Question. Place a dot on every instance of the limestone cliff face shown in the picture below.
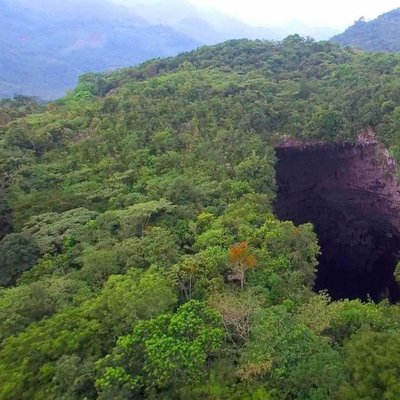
(349, 191)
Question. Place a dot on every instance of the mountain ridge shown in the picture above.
(381, 34)
(44, 56)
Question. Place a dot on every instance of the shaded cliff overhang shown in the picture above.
(350, 192)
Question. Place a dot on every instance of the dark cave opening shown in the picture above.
(349, 192)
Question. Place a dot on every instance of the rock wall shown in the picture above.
(349, 191)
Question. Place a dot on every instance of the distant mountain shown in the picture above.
(380, 34)
(79, 9)
(202, 24)
(210, 26)
(46, 45)
(227, 28)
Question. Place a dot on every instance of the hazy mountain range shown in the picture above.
(210, 26)
(380, 34)
(45, 44)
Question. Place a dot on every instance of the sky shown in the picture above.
(333, 13)
(312, 12)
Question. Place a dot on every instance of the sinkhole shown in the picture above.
(349, 192)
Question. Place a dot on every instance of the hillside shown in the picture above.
(380, 34)
(46, 45)
(141, 256)
(45, 48)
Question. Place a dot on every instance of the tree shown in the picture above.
(51, 230)
(237, 309)
(24, 304)
(184, 276)
(132, 221)
(31, 360)
(285, 353)
(215, 236)
(157, 246)
(297, 244)
(137, 295)
(372, 360)
(241, 260)
(98, 265)
(18, 253)
(163, 352)
(258, 172)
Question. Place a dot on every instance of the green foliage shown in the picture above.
(50, 265)
(157, 247)
(217, 237)
(372, 360)
(32, 359)
(132, 221)
(286, 352)
(162, 352)
(98, 265)
(17, 107)
(19, 253)
(351, 316)
(287, 260)
(148, 195)
(134, 296)
(221, 383)
(22, 305)
(28, 359)
(259, 172)
(52, 230)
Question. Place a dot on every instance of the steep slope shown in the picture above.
(142, 256)
(380, 34)
(44, 48)
(81, 10)
(75, 9)
(350, 192)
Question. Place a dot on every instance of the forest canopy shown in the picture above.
(139, 253)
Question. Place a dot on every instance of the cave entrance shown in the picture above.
(349, 192)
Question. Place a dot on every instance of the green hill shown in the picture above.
(140, 256)
(380, 34)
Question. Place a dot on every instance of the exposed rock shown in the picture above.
(350, 192)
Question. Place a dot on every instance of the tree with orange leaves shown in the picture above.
(241, 260)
